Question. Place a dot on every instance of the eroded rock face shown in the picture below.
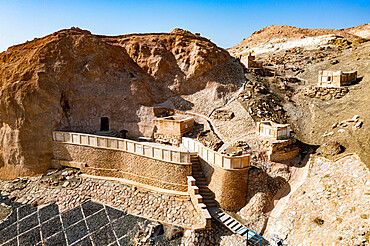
(179, 57)
(70, 79)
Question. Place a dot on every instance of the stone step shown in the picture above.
(206, 191)
(225, 219)
(198, 177)
(207, 196)
(210, 205)
(233, 224)
(230, 222)
(237, 227)
(203, 187)
(107, 134)
(207, 201)
(244, 233)
(219, 214)
(197, 171)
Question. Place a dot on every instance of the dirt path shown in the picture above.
(281, 198)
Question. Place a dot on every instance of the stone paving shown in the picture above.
(132, 200)
(97, 212)
(87, 224)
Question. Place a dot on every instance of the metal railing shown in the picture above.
(138, 148)
(251, 236)
(215, 158)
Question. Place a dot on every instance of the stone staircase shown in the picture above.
(235, 226)
(108, 134)
(232, 224)
(200, 181)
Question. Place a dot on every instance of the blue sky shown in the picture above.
(225, 22)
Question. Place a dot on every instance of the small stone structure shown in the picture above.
(281, 150)
(273, 130)
(252, 63)
(277, 140)
(170, 129)
(336, 79)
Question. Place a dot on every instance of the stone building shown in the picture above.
(251, 62)
(273, 130)
(170, 129)
(336, 79)
(277, 141)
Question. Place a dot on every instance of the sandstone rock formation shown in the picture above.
(70, 79)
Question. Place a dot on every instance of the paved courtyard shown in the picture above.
(87, 224)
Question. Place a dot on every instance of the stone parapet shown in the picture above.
(160, 153)
(121, 158)
(215, 158)
(200, 207)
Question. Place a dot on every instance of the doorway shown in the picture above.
(104, 124)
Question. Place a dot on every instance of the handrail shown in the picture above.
(142, 149)
(259, 239)
(215, 158)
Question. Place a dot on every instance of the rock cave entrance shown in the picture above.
(104, 124)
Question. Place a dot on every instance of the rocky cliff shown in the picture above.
(70, 79)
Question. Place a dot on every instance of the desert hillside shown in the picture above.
(281, 37)
(70, 79)
(265, 145)
(362, 31)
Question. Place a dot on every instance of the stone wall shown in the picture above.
(229, 186)
(283, 154)
(281, 150)
(121, 164)
(325, 93)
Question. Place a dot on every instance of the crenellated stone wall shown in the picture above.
(121, 164)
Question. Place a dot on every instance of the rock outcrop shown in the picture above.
(70, 79)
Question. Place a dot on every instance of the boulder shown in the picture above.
(174, 232)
